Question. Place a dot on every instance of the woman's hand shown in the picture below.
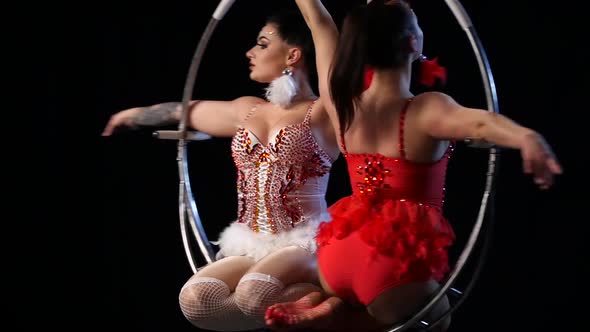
(121, 120)
(539, 160)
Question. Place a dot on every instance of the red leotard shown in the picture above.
(390, 230)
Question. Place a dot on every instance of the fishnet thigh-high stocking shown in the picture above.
(208, 304)
(257, 291)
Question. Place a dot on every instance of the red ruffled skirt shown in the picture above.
(416, 235)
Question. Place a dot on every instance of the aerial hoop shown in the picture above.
(187, 206)
(486, 206)
(189, 216)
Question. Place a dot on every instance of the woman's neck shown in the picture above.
(286, 91)
(392, 82)
(304, 90)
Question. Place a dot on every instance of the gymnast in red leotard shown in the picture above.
(385, 250)
(391, 226)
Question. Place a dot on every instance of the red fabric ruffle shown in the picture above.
(416, 234)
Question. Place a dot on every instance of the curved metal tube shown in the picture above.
(187, 205)
(492, 103)
(186, 199)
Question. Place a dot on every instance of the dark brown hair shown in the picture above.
(375, 35)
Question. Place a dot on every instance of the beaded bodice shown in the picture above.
(378, 177)
(281, 184)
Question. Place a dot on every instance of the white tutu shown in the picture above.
(239, 240)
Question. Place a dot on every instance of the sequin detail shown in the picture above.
(374, 174)
(272, 178)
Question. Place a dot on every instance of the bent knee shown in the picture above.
(253, 297)
(402, 302)
(438, 310)
(201, 299)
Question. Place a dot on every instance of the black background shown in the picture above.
(102, 249)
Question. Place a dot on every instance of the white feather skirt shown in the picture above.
(239, 240)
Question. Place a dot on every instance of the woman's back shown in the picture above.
(384, 123)
(378, 162)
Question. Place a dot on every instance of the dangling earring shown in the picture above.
(430, 71)
(282, 90)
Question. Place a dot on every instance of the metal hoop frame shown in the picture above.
(188, 209)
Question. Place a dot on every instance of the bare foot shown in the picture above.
(307, 312)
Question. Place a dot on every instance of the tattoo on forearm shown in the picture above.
(158, 115)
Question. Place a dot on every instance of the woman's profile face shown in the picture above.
(268, 58)
(419, 35)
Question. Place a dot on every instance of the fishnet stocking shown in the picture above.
(207, 303)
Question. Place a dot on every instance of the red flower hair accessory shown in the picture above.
(430, 71)
(368, 76)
